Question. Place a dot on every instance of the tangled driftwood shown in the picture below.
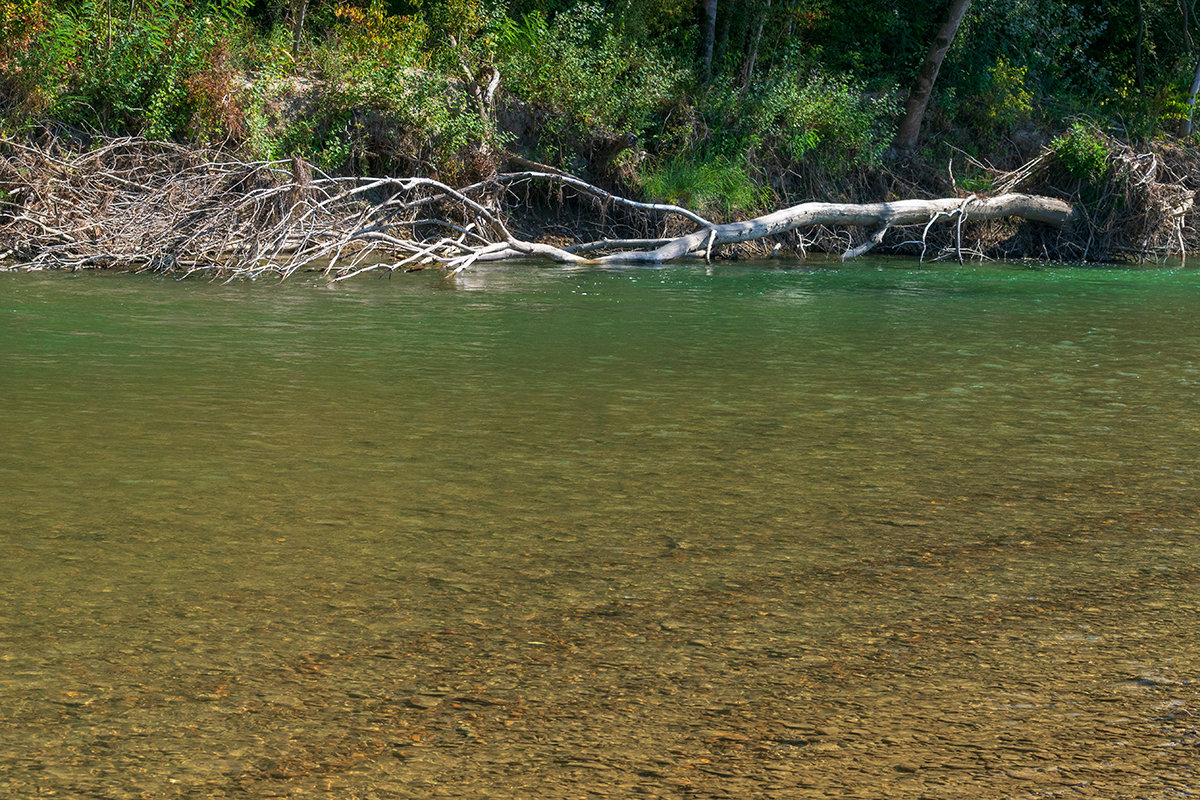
(135, 204)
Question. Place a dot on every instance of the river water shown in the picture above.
(875, 531)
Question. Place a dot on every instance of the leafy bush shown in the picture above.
(582, 70)
(23, 24)
(1082, 151)
(827, 117)
(792, 118)
(1005, 100)
(371, 94)
(369, 58)
(140, 72)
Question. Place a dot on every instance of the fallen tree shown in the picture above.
(134, 204)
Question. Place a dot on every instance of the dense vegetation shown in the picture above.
(769, 99)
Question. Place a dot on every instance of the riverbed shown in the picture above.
(884, 530)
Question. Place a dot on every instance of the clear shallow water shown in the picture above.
(528, 532)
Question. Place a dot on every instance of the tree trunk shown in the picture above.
(752, 56)
(722, 42)
(299, 8)
(708, 36)
(881, 216)
(918, 98)
(1185, 127)
(1139, 59)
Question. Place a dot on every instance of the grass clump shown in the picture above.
(715, 184)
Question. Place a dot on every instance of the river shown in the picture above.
(740, 531)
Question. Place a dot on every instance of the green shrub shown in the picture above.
(829, 117)
(791, 118)
(139, 72)
(1082, 151)
(373, 93)
(1003, 101)
(23, 79)
(583, 71)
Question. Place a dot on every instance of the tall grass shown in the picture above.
(715, 185)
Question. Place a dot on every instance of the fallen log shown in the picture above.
(879, 216)
(134, 204)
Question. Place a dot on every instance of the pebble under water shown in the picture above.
(875, 531)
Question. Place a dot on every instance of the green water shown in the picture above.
(870, 531)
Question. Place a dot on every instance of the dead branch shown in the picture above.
(1046, 210)
(135, 204)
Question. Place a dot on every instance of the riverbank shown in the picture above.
(661, 115)
(134, 204)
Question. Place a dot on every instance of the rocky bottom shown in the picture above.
(660, 689)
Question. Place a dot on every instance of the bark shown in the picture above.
(918, 98)
(1050, 211)
(707, 39)
(752, 57)
(722, 43)
(299, 9)
(1139, 58)
(1185, 126)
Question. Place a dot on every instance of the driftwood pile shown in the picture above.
(1141, 209)
(133, 204)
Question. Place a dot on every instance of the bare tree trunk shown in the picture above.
(1139, 59)
(299, 8)
(880, 216)
(752, 56)
(1187, 26)
(708, 38)
(918, 98)
(1185, 127)
(725, 23)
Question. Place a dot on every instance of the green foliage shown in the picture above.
(827, 117)
(1082, 151)
(24, 82)
(583, 71)
(793, 119)
(1006, 100)
(384, 63)
(374, 47)
(797, 84)
(136, 72)
(372, 93)
(714, 184)
(977, 183)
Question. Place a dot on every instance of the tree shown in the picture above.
(752, 56)
(707, 38)
(299, 9)
(918, 98)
